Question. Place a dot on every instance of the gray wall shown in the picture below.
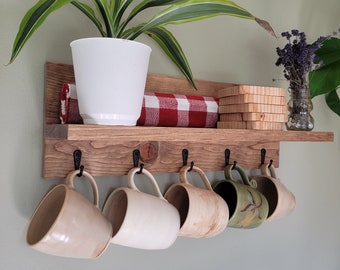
(223, 49)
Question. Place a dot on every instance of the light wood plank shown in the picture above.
(258, 125)
(251, 89)
(249, 98)
(252, 107)
(265, 117)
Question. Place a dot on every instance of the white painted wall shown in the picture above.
(223, 49)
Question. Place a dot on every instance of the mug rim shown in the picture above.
(272, 206)
(50, 196)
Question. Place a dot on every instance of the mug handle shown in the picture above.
(183, 176)
(131, 182)
(228, 175)
(268, 170)
(70, 182)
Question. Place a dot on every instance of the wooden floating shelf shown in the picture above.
(107, 150)
(174, 134)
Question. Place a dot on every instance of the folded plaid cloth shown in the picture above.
(159, 109)
(173, 110)
(69, 111)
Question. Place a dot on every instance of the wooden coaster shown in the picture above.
(250, 125)
(251, 89)
(250, 107)
(251, 98)
(262, 117)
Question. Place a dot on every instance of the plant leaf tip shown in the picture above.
(264, 24)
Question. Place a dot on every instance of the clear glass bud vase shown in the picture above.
(299, 109)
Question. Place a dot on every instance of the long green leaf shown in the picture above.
(194, 10)
(104, 11)
(119, 14)
(114, 6)
(173, 50)
(89, 12)
(145, 5)
(333, 102)
(32, 20)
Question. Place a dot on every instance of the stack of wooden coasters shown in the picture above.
(252, 107)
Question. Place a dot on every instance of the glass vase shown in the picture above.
(299, 110)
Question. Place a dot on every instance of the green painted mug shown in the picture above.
(248, 208)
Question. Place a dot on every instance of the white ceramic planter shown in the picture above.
(110, 76)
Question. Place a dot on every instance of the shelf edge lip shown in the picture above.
(143, 133)
(56, 131)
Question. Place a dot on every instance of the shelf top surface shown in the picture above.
(137, 133)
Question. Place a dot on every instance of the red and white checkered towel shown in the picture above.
(159, 109)
(173, 110)
(69, 111)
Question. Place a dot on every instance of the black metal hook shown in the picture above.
(77, 161)
(270, 163)
(234, 166)
(227, 156)
(141, 169)
(263, 155)
(81, 168)
(191, 166)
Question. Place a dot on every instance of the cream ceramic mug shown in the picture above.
(141, 220)
(67, 224)
(203, 212)
(280, 200)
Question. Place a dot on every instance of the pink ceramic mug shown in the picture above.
(141, 220)
(203, 212)
(66, 224)
(280, 200)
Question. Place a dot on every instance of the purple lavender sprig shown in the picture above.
(297, 57)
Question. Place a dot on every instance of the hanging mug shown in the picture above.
(67, 224)
(281, 201)
(248, 208)
(141, 220)
(203, 213)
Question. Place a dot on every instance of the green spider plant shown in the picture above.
(112, 19)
